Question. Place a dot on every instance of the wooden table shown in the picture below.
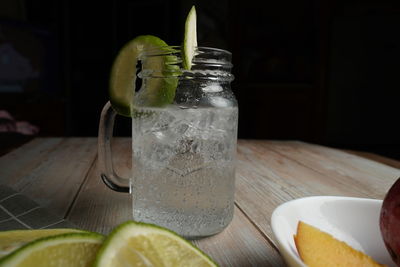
(61, 174)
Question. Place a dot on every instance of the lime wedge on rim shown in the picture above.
(140, 244)
(189, 40)
(14, 239)
(73, 249)
(157, 92)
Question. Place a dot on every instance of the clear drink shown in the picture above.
(184, 168)
(184, 133)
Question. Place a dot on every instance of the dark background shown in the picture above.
(325, 72)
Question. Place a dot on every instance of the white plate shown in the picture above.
(352, 220)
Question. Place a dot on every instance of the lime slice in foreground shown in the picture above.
(14, 239)
(65, 250)
(157, 92)
(189, 40)
(140, 244)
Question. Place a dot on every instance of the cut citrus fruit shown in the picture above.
(65, 250)
(189, 40)
(317, 248)
(140, 244)
(12, 240)
(157, 92)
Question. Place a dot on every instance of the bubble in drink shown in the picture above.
(184, 168)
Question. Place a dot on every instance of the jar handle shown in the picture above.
(107, 173)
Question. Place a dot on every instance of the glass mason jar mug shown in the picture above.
(183, 154)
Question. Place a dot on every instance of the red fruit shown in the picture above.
(390, 221)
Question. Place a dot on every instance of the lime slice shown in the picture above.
(189, 40)
(140, 244)
(14, 239)
(157, 92)
(65, 250)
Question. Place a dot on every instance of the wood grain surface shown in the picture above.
(62, 175)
